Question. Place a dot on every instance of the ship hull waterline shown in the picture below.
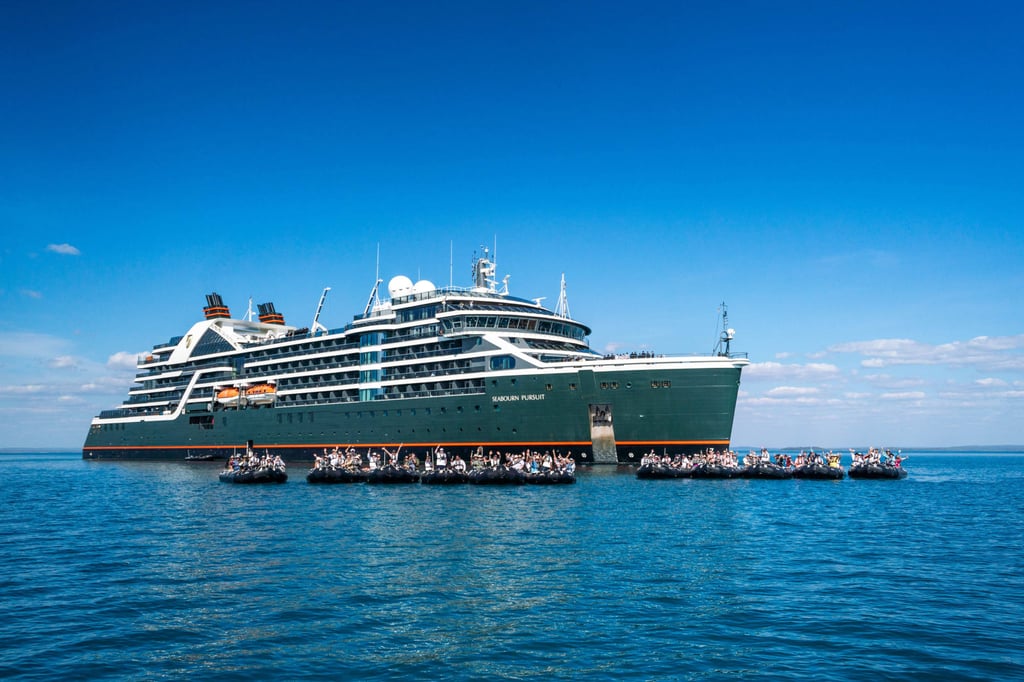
(612, 416)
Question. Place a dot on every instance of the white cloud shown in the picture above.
(107, 384)
(31, 293)
(64, 249)
(784, 400)
(785, 391)
(25, 388)
(63, 362)
(123, 361)
(905, 395)
(990, 381)
(775, 371)
(983, 352)
(890, 382)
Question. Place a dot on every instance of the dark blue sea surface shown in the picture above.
(148, 571)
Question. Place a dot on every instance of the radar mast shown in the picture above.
(727, 334)
(484, 269)
(562, 309)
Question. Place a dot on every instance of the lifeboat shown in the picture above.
(444, 477)
(819, 472)
(499, 475)
(327, 474)
(766, 470)
(265, 474)
(393, 474)
(657, 471)
(261, 394)
(879, 470)
(228, 397)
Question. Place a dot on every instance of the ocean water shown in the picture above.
(150, 571)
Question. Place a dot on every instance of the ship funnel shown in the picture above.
(269, 315)
(215, 307)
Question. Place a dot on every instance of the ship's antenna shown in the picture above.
(562, 309)
(726, 336)
(373, 292)
(451, 263)
(248, 314)
(316, 326)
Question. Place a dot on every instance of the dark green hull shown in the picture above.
(599, 415)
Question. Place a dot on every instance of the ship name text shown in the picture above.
(517, 397)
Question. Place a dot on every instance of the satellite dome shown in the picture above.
(400, 285)
(423, 286)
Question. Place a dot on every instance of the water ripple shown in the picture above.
(157, 571)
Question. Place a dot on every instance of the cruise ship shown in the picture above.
(426, 367)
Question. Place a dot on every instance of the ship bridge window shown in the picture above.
(212, 342)
(500, 362)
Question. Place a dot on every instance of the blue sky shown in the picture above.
(845, 176)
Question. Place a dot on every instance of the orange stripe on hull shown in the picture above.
(296, 446)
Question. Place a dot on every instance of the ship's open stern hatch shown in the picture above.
(602, 433)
